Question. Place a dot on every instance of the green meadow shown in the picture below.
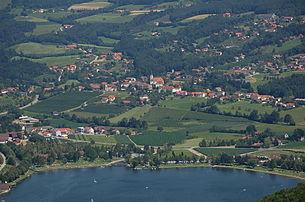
(230, 151)
(106, 17)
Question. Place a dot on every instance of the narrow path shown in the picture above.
(196, 152)
(95, 59)
(4, 161)
(132, 141)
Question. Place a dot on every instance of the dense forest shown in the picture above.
(294, 194)
(285, 87)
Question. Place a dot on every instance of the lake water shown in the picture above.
(118, 183)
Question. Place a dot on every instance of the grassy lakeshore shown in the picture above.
(281, 172)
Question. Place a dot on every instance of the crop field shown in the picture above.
(230, 151)
(86, 114)
(94, 5)
(4, 100)
(101, 108)
(158, 138)
(181, 103)
(57, 14)
(62, 102)
(293, 145)
(37, 49)
(122, 139)
(197, 17)
(106, 17)
(137, 112)
(245, 107)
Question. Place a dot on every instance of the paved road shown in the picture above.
(4, 161)
(32, 103)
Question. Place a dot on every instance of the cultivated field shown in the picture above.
(136, 112)
(106, 17)
(196, 17)
(62, 102)
(101, 108)
(94, 5)
(58, 61)
(45, 28)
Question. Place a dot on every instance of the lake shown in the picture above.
(119, 183)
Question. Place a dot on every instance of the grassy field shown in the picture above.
(234, 151)
(45, 28)
(197, 17)
(136, 112)
(37, 49)
(57, 14)
(107, 40)
(101, 108)
(245, 107)
(298, 115)
(62, 102)
(69, 83)
(106, 17)
(93, 5)
(58, 61)
(5, 100)
(96, 138)
(30, 19)
(274, 152)
(86, 114)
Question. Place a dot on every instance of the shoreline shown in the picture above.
(29, 173)
(228, 167)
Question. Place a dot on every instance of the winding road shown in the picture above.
(4, 161)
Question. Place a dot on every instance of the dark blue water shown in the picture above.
(122, 184)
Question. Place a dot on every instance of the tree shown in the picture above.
(251, 129)
(289, 120)
(203, 143)
(254, 115)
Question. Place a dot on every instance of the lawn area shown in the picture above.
(154, 138)
(62, 102)
(137, 112)
(181, 103)
(38, 49)
(62, 123)
(178, 152)
(230, 151)
(197, 17)
(171, 29)
(96, 138)
(93, 5)
(46, 15)
(106, 17)
(102, 108)
(245, 107)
